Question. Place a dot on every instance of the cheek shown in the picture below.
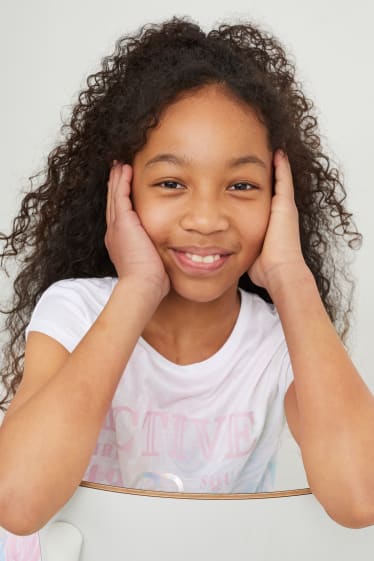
(153, 218)
(254, 231)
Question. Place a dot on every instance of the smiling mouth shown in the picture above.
(197, 263)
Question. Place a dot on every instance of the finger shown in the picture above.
(122, 196)
(283, 176)
(126, 179)
(109, 194)
(117, 173)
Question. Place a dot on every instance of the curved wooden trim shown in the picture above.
(204, 496)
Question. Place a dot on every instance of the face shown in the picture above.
(199, 197)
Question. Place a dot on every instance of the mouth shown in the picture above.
(198, 264)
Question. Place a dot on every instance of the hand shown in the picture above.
(130, 248)
(281, 251)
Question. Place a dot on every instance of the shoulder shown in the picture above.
(261, 323)
(257, 306)
(85, 283)
(68, 307)
(94, 289)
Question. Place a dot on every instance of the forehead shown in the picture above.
(204, 122)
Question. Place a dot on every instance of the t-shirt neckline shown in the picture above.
(217, 359)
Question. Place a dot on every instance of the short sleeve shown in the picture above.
(62, 313)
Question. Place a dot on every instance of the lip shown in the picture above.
(203, 251)
(198, 268)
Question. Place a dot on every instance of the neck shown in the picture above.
(182, 323)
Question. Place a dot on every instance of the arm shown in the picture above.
(46, 444)
(334, 411)
(335, 407)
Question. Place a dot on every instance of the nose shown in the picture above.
(205, 214)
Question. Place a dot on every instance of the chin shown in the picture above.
(200, 291)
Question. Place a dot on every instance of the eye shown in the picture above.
(168, 183)
(243, 186)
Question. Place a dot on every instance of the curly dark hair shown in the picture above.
(147, 71)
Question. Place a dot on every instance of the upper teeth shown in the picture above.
(201, 259)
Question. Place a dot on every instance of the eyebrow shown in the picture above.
(183, 161)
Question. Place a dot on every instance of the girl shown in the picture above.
(182, 291)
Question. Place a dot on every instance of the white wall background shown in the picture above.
(49, 47)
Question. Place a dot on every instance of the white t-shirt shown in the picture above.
(208, 427)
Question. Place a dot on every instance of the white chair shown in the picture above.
(113, 524)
